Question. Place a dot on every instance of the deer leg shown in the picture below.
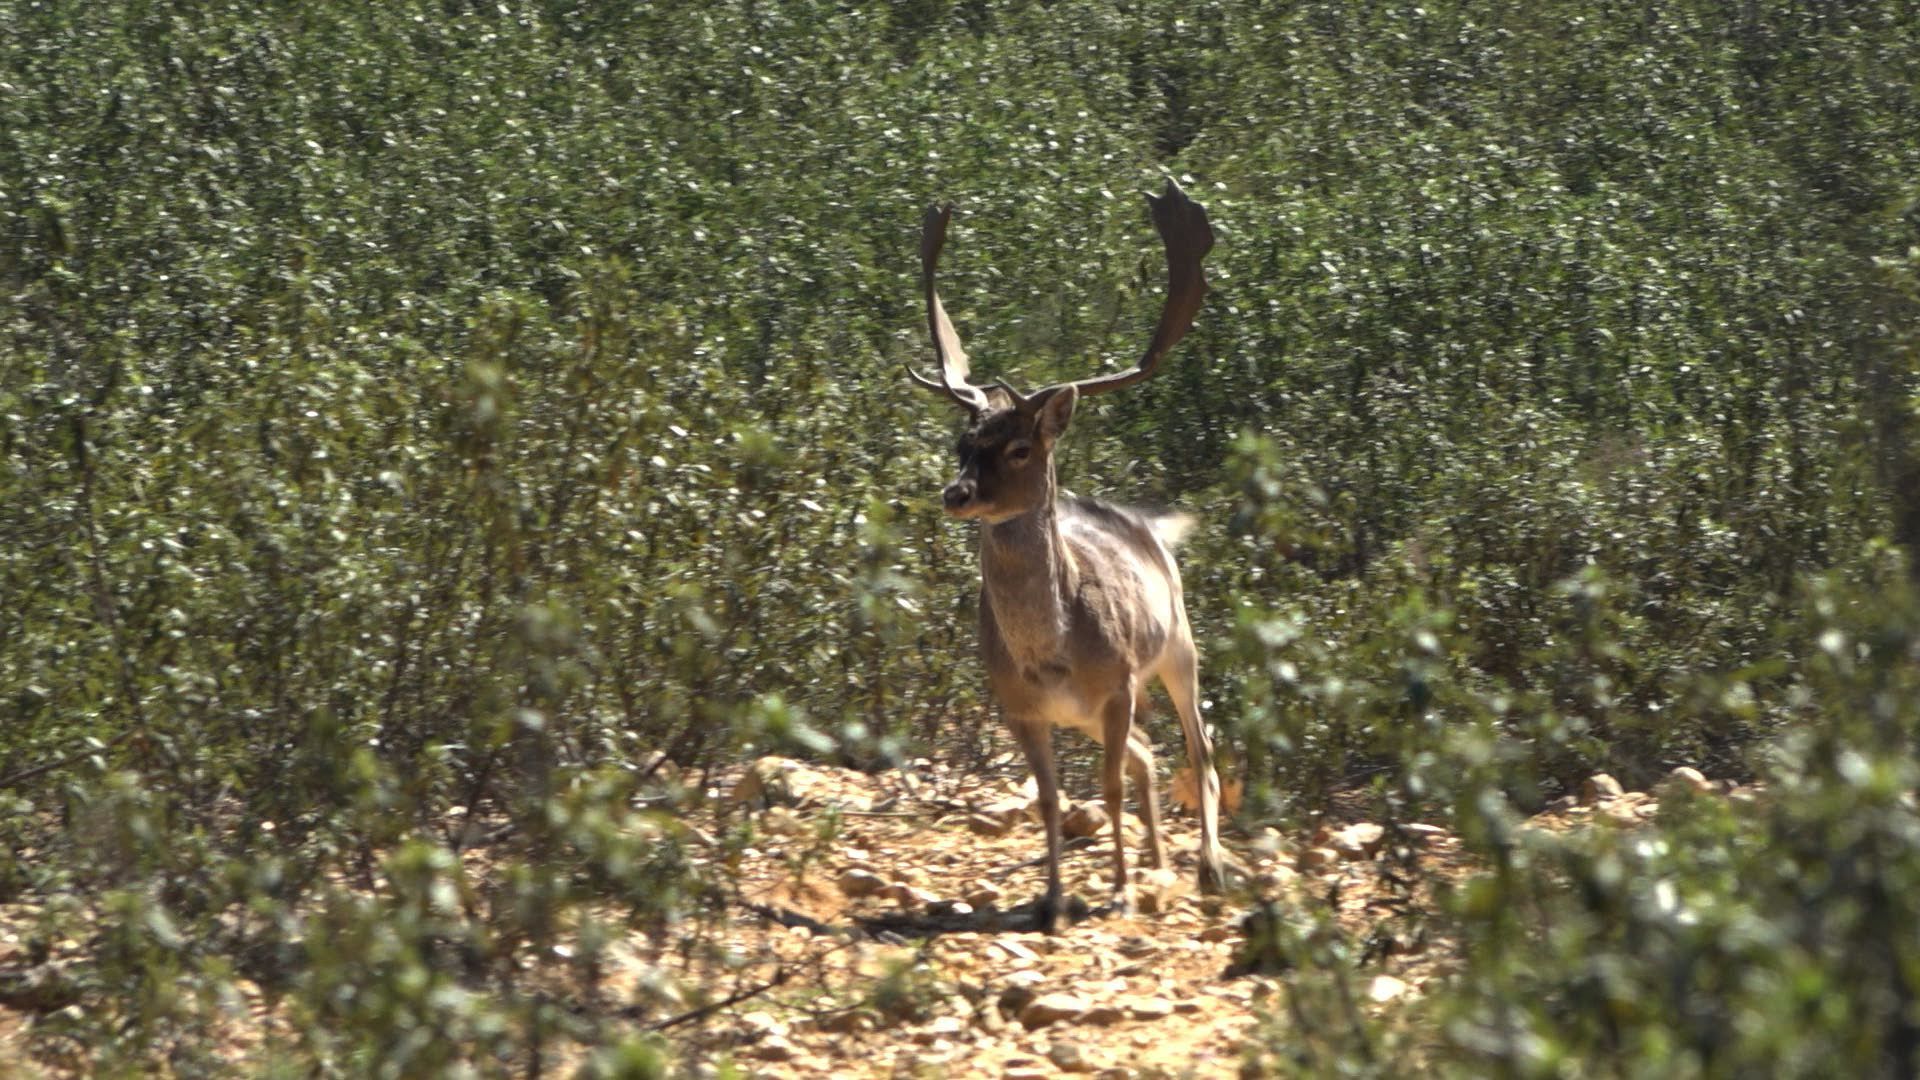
(1117, 748)
(1181, 677)
(1140, 767)
(1036, 740)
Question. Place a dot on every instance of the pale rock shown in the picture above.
(1419, 833)
(851, 1022)
(983, 894)
(991, 826)
(1385, 988)
(1154, 890)
(857, 883)
(1067, 1057)
(907, 897)
(1048, 1009)
(1317, 858)
(1359, 841)
(1085, 819)
(775, 1048)
(778, 781)
(942, 1027)
(761, 1024)
(782, 821)
(1621, 815)
(1016, 950)
(1026, 980)
(658, 768)
(1267, 842)
(1600, 787)
(1150, 1008)
(1277, 876)
(1685, 781)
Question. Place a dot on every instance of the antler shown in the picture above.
(1184, 229)
(946, 343)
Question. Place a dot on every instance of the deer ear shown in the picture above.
(1055, 410)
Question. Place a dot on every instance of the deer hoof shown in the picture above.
(1213, 879)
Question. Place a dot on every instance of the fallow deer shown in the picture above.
(1080, 600)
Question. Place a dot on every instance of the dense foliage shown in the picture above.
(420, 414)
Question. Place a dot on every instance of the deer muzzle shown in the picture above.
(958, 495)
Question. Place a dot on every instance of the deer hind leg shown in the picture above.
(1117, 750)
(1140, 768)
(1181, 677)
(1036, 740)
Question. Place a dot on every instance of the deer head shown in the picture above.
(1006, 452)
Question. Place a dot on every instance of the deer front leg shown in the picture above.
(1117, 742)
(1036, 740)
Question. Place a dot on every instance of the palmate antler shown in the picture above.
(1188, 237)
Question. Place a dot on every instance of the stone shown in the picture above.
(851, 1022)
(1215, 934)
(1149, 1008)
(1316, 858)
(1685, 780)
(942, 1027)
(775, 1048)
(983, 894)
(1154, 890)
(857, 883)
(778, 781)
(907, 897)
(1426, 835)
(1103, 1015)
(1600, 787)
(1085, 819)
(1054, 1008)
(1277, 876)
(1385, 988)
(1067, 1057)
(991, 826)
(1015, 950)
(1358, 841)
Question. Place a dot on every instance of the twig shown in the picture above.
(1071, 847)
(36, 771)
(704, 1011)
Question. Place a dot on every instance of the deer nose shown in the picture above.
(958, 494)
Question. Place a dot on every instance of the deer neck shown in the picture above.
(1029, 577)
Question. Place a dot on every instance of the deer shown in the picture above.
(1080, 601)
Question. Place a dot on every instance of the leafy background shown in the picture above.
(428, 413)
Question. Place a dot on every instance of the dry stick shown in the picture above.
(27, 774)
(704, 1011)
(1070, 847)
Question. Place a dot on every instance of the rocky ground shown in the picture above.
(904, 945)
(882, 926)
(895, 943)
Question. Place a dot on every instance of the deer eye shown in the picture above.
(1019, 452)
